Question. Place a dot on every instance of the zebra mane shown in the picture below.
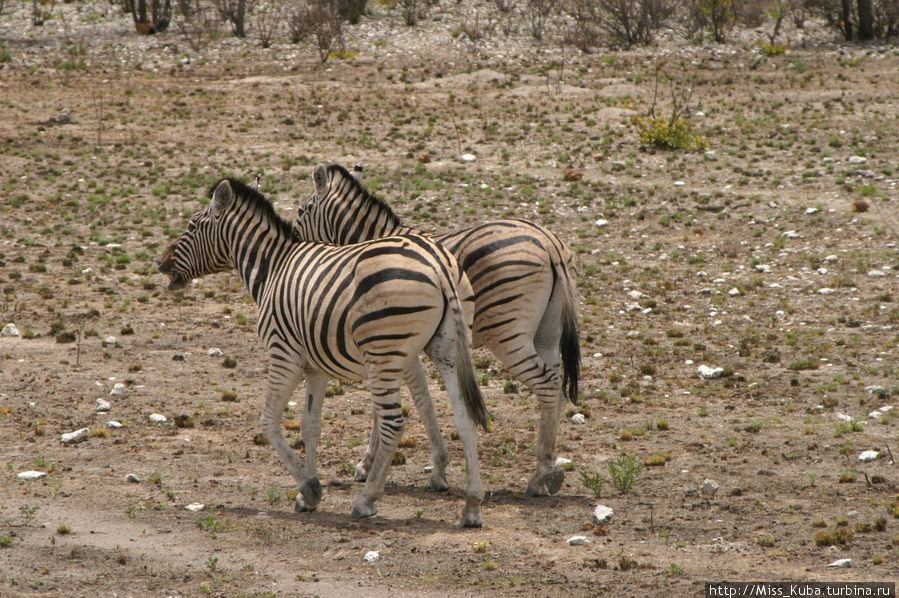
(261, 203)
(363, 195)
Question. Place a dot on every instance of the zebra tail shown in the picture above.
(465, 374)
(569, 344)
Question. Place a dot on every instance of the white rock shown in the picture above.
(637, 295)
(822, 270)
(764, 268)
(866, 456)
(831, 258)
(76, 436)
(373, 556)
(110, 340)
(886, 408)
(577, 541)
(578, 418)
(10, 330)
(707, 373)
(562, 461)
(215, 352)
(132, 478)
(679, 183)
(875, 273)
(602, 223)
(103, 405)
(114, 424)
(857, 159)
(195, 506)
(791, 234)
(601, 514)
(118, 390)
(31, 475)
(734, 292)
(844, 417)
(841, 563)
(875, 414)
(709, 487)
(468, 157)
(826, 291)
(811, 210)
(874, 388)
(157, 418)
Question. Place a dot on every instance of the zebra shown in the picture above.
(521, 275)
(356, 312)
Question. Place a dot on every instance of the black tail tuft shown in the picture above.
(474, 400)
(569, 347)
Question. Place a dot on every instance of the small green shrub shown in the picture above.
(624, 471)
(669, 133)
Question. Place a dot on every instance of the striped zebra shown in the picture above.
(361, 312)
(524, 306)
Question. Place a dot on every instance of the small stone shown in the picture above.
(577, 541)
(734, 292)
(826, 291)
(118, 390)
(157, 418)
(707, 373)
(876, 273)
(10, 330)
(857, 159)
(468, 157)
(562, 461)
(841, 563)
(874, 389)
(632, 307)
(791, 234)
(195, 506)
(63, 117)
(31, 475)
(110, 340)
(811, 210)
(875, 414)
(215, 352)
(866, 456)
(764, 268)
(844, 417)
(822, 270)
(637, 295)
(103, 405)
(709, 488)
(602, 514)
(679, 183)
(372, 556)
(578, 418)
(76, 436)
(132, 479)
(602, 223)
(114, 424)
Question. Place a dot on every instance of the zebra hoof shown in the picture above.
(310, 495)
(471, 520)
(361, 474)
(361, 511)
(554, 480)
(439, 485)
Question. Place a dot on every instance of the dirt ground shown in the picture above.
(771, 254)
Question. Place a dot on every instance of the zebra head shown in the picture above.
(310, 213)
(200, 249)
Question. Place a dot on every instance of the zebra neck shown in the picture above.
(257, 252)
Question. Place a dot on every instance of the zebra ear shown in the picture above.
(320, 177)
(221, 198)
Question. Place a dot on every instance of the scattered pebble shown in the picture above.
(578, 418)
(118, 390)
(31, 475)
(826, 291)
(709, 488)
(866, 456)
(157, 418)
(468, 157)
(114, 424)
(103, 405)
(76, 436)
(132, 478)
(841, 563)
(10, 330)
(215, 352)
(857, 159)
(577, 541)
(110, 340)
(602, 223)
(876, 273)
(562, 461)
(707, 373)
(791, 234)
(679, 183)
(195, 506)
(844, 417)
(822, 270)
(874, 389)
(373, 556)
(63, 117)
(177, 357)
(811, 210)
(764, 268)
(831, 258)
(601, 514)
(734, 292)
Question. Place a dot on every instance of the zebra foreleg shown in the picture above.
(310, 493)
(364, 466)
(418, 386)
(389, 413)
(281, 384)
(548, 387)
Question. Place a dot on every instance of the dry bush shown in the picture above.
(714, 16)
(41, 10)
(634, 22)
(198, 24)
(861, 20)
(410, 11)
(537, 13)
(583, 31)
(352, 10)
(235, 12)
(267, 19)
(153, 17)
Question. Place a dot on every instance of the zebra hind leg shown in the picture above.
(310, 493)
(389, 412)
(364, 466)
(418, 386)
